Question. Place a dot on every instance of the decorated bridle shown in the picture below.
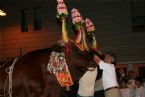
(57, 64)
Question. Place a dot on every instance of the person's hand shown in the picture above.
(96, 59)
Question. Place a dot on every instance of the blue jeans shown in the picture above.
(83, 96)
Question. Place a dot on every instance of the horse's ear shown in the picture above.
(57, 48)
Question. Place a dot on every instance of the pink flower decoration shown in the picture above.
(60, 1)
(61, 8)
(89, 25)
(76, 16)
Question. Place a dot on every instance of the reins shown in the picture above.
(9, 71)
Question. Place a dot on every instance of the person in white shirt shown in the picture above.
(109, 79)
(87, 83)
(139, 90)
(131, 82)
(125, 91)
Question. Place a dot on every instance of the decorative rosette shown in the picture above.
(76, 16)
(77, 19)
(60, 1)
(61, 9)
(89, 25)
(90, 31)
(57, 65)
(79, 25)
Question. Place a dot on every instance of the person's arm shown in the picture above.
(96, 59)
(92, 66)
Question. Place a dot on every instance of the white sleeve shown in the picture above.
(102, 65)
(143, 92)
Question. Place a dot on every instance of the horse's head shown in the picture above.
(78, 61)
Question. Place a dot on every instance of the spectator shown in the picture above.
(139, 90)
(130, 74)
(131, 82)
(125, 91)
(122, 75)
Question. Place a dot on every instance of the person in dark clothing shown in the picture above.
(99, 91)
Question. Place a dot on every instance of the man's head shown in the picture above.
(110, 58)
(121, 71)
(138, 81)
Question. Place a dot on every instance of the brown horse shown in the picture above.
(29, 76)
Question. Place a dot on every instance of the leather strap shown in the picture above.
(111, 88)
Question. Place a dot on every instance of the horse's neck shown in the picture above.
(71, 45)
(79, 46)
(73, 53)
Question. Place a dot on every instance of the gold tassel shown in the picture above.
(94, 43)
(84, 41)
(78, 39)
(64, 31)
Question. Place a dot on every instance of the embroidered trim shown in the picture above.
(57, 65)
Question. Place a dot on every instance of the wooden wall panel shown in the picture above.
(0, 42)
(135, 67)
(13, 39)
(112, 20)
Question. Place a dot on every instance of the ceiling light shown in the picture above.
(2, 13)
